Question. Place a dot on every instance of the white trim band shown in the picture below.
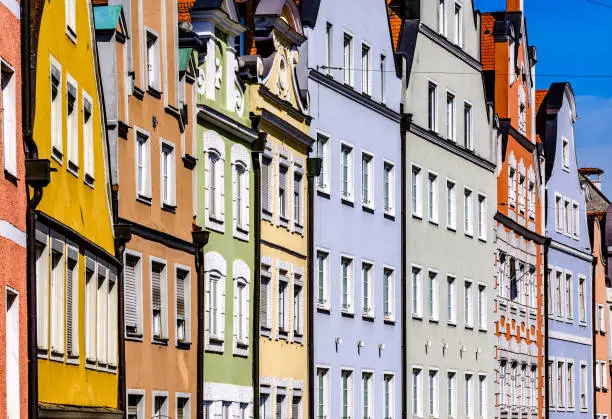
(12, 233)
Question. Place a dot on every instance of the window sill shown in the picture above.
(267, 216)
(368, 317)
(73, 169)
(470, 235)
(133, 337)
(282, 335)
(183, 345)
(389, 216)
(153, 91)
(451, 324)
(417, 317)
(138, 92)
(323, 193)
(367, 208)
(347, 202)
(73, 360)
(144, 199)
(348, 314)
(323, 308)
(451, 228)
(242, 345)
(56, 357)
(389, 320)
(433, 222)
(89, 180)
(71, 34)
(469, 327)
(482, 329)
(10, 177)
(57, 155)
(264, 331)
(482, 239)
(434, 320)
(417, 216)
(160, 341)
(169, 208)
(298, 338)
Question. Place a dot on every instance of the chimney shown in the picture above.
(514, 5)
(593, 174)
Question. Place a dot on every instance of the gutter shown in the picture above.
(200, 239)
(404, 126)
(594, 356)
(545, 315)
(258, 148)
(313, 169)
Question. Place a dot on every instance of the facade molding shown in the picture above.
(568, 337)
(228, 392)
(12, 233)
(450, 47)
(570, 251)
(13, 7)
(226, 124)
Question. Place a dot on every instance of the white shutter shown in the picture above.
(265, 183)
(102, 317)
(236, 308)
(58, 270)
(164, 301)
(220, 189)
(187, 303)
(263, 301)
(148, 174)
(156, 285)
(247, 311)
(130, 291)
(221, 304)
(113, 317)
(42, 294)
(71, 307)
(90, 309)
(208, 303)
(246, 213)
(9, 121)
(181, 277)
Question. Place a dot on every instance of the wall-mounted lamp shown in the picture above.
(154, 122)
(427, 345)
(338, 341)
(360, 344)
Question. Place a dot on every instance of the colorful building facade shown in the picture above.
(76, 270)
(13, 297)
(450, 185)
(225, 187)
(596, 207)
(509, 72)
(568, 282)
(149, 91)
(280, 107)
(357, 299)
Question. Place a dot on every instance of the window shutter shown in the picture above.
(90, 309)
(156, 285)
(220, 188)
(71, 304)
(263, 302)
(208, 303)
(9, 134)
(246, 180)
(295, 408)
(221, 304)
(279, 407)
(265, 183)
(180, 294)
(131, 300)
(180, 407)
(113, 318)
(247, 311)
(236, 308)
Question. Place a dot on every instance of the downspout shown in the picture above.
(313, 169)
(547, 241)
(200, 239)
(258, 149)
(593, 269)
(406, 119)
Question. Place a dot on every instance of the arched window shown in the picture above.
(214, 149)
(241, 191)
(242, 302)
(215, 278)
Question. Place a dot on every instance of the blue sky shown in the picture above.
(573, 40)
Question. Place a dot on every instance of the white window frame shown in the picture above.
(569, 292)
(389, 409)
(558, 212)
(347, 179)
(482, 306)
(140, 407)
(565, 153)
(468, 303)
(442, 18)
(88, 139)
(12, 353)
(143, 189)
(323, 147)
(163, 299)
(458, 24)
(186, 408)
(367, 380)
(56, 115)
(433, 197)
(72, 123)
(433, 397)
(389, 188)
(432, 105)
(241, 188)
(451, 299)
(482, 217)
(468, 212)
(451, 393)
(366, 69)
(417, 291)
(468, 125)
(350, 405)
(324, 392)
(216, 270)
(349, 59)
(584, 383)
(241, 284)
(417, 391)
(389, 274)
(451, 204)
(166, 406)
(326, 303)
(582, 305)
(576, 219)
(167, 180)
(138, 290)
(8, 110)
(451, 113)
(70, 15)
(328, 48)
(367, 290)
(469, 395)
(433, 295)
(482, 396)
(187, 303)
(57, 298)
(348, 261)
(152, 61)
(416, 191)
(367, 163)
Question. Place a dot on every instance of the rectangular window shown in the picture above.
(72, 124)
(600, 319)
(558, 295)
(467, 127)
(160, 406)
(281, 403)
(215, 306)
(458, 25)
(417, 198)
(482, 217)
(183, 305)
(560, 386)
(367, 181)
(432, 118)
(450, 113)
(72, 304)
(58, 267)
(468, 213)
(347, 284)
(568, 296)
(482, 307)
(566, 153)
(135, 406)
(432, 194)
(8, 117)
(322, 401)
(433, 296)
(322, 279)
(389, 397)
(558, 213)
(576, 219)
(88, 142)
(442, 18)
(549, 381)
(168, 181)
(266, 179)
(12, 354)
(388, 294)
(417, 292)
(183, 407)
(101, 313)
(328, 48)
(323, 180)
(298, 308)
(512, 186)
(549, 287)
(282, 192)
(70, 14)
(570, 384)
(469, 396)
(567, 217)
(143, 167)
(91, 288)
(132, 285)
(389, 188)
(347, 172)
(503, 393)
(152, 62)
(347, 393)
(348, 60)
(582, 298)
(159, 305)
(583, 386)
(451, 395)
(241, 198)
(56, 113)
(468, 305)
(365, 70)
(283, 300)
(482, 396)
(297, 199)
(434, 391)
(296, 407)
(451, 300)
(451, 205)
(417, 392)
(383, 75)
(367, 290)
(367, 395)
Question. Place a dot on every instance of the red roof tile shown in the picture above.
(539, 96)
(487, 43)
(395, 22)
(183, 10)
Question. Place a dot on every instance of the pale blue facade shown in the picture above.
(356, 226)
(569, 284)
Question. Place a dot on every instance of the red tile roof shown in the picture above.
(487, 43)
(395, 22)
(183, 10)
(539, 97)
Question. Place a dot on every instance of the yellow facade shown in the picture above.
(284, 117)
(74, 216)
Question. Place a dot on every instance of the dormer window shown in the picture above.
(522, 118)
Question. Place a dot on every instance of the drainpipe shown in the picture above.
(200, 239)
(406, 119)
(593, 266)
(547, 241)
(258, 148)
(313, 169)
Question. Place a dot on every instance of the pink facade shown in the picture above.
(13, 301)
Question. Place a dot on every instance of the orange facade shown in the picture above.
(508, 64)
(13, 300)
